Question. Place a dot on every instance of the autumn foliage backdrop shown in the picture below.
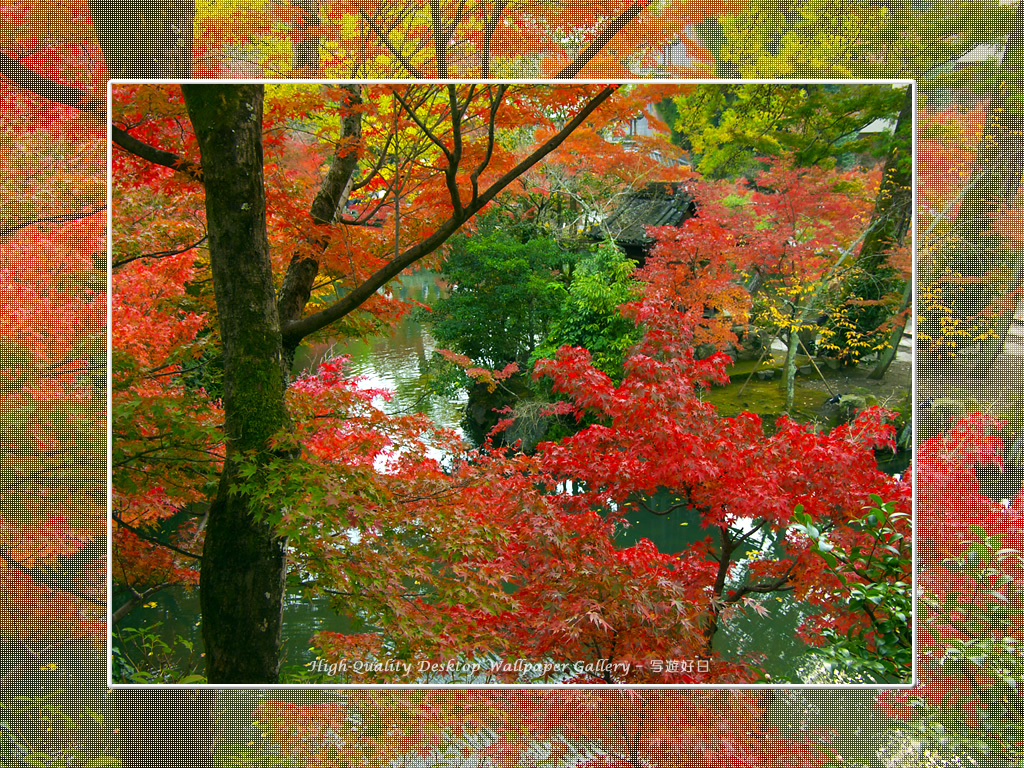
(967, 705)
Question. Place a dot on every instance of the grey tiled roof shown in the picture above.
(657, 204)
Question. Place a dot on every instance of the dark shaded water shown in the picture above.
(173, 616)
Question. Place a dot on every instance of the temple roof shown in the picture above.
(656, 204)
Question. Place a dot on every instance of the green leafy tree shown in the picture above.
(870, 633)
(729, 129)
(779, 38)
(504, 294)
(590, 317)
(873, 311)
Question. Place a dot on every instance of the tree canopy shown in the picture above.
(54, 61)
(304, 202)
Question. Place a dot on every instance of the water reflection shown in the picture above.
(172, 615)
(398, 361)
(745, 634)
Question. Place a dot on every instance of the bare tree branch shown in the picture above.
(59, 93)
(615, 26)
(295, 331)
(77, 98)
(154, 155)
(490, 27)
(383, 37)
(152, 539)
(496, 97)
(136, 599)
(51, 578)
(63, 219)
(160, 254)
(451, 172)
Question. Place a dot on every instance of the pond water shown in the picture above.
(172, 615)
(399, 363)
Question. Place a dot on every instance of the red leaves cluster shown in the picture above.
(52, 311)
(517, 557)
(590, 610)
(541, 577)
(970, 587)
(604, 727)
(482, 375)
(167, 446)
(655, 431)
(783, 235)
(948, 488)
(34, 613)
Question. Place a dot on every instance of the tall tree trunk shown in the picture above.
(789, 369)
(890, 222)
(1006, 123)
(306, 49)
(993, 344)
(958, 281)
(894, 207)
(146, 38)
(243, 569)
(895, 336)
(151, 39)
(326, 208)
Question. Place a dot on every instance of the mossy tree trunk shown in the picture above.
(894, 205)
(243, 567)
(1001, 162)
(885, 359)
(306, 48)
(964, 284)
(870, 296)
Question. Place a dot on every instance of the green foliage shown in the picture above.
(504, 294)
(875, 578)
(973, 623)
(51, 750)
(861, 307)
(206, 374)
(590, 317)
(728, 128)
(768, 38)
(250, 755)
(141, 655)
(162, 432)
